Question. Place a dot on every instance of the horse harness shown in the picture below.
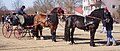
(93, 17)
(91, 22)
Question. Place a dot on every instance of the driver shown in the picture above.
(21, 13)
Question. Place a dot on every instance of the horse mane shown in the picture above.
(99, 13)
(99, 9)
(96, 10)
(54, 10)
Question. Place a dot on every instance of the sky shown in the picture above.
(8, 3)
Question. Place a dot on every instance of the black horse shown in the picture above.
(91, 24)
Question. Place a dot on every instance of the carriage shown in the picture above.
(12, 26)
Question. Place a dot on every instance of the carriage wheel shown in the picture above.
(6, 30)
(18, 31)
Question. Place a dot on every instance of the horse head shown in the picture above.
(95, 17)
(59, 11)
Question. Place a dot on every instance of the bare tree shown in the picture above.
(99, 3)
(69, 4)
(1, 4)
(30, 10)
(3, 8)
(42, 5)
(17, 4)
(118, 10)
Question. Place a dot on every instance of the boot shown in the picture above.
(107, 44)
(114, 44)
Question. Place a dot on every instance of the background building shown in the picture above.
(113, 6)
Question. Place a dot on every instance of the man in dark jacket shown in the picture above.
(20, 13)
(109, 27)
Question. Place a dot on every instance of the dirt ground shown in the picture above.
(81, 41)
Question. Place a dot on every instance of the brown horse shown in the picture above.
(50, 20)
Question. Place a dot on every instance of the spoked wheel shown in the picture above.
(18, 31)
(7, 30)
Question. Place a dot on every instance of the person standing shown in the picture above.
(3, 18)
(103, 22)
(109, 27)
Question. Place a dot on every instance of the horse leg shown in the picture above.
(92, 34)
(72, 33)
(35, 33)
(53, 33)
(41, 36)
(40, 30)
(67, 30)
(67, 34)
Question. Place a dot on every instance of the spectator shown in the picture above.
(3, 18)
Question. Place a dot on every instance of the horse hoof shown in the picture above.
(35, 38)
(93, 45)
(54, 40)
(68, 42)
(31, 37)
(42, 38)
